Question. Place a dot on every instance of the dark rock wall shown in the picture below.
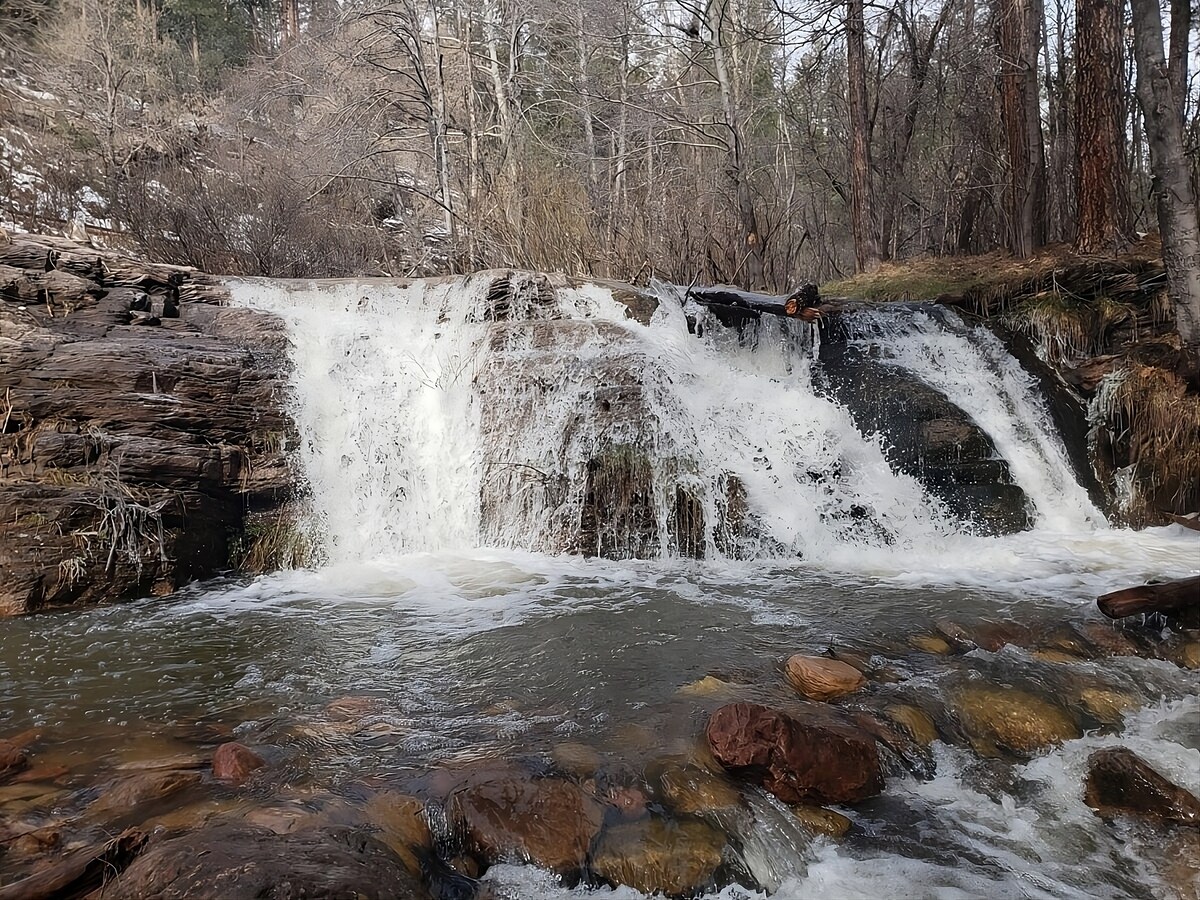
(140, 425)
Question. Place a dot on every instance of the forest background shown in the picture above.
(757, 142)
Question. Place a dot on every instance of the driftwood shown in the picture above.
(1168, 597)
(733, 307)
(1191, 522)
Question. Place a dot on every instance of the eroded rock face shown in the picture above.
(547, 821)
(819, 678)
(131, 451)
(239, 862)
(927, 436)
(821, 757)
(1119, 782)
(657, 855)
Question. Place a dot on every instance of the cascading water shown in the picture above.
(451, 415)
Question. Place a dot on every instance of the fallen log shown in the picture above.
(733, 306)
(1166, 597)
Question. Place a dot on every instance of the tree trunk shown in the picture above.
(1099, 123)
(1172, 185)
(1166, 597)
(1019, 33)
(1177, 54)
(750, 263)
(862, 213)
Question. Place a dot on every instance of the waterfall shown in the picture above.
(505, 410)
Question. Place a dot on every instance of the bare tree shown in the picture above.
(1172, 186)
(862, 204)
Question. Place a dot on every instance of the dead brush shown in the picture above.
(1149, 414)
(130, 525)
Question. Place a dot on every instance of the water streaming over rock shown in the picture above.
(510, 412)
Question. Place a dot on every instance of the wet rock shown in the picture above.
(79, 873)
(1119, 782)
(36, 843)
(819, 820)
(1052, 655)
(708, 686)
(239, 862)
(402, 826)
(820, 757)
(659, 855)
(547, 821)
(1106, 705)
(918, 723)
(576, 759)
(906, 753)
(13, 760)
(234, 762)
(630, 802)
(1108, 639)
(930, 643)
(822, 679)
(689, 789)
(146, 788)
(1011, 719)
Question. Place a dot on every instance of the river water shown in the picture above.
(444, 623)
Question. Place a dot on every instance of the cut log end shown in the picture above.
(1167, 597)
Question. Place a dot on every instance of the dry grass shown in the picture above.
(272, 545)
(1155, 424)
(992, 282)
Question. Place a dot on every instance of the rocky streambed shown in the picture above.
(752, 774)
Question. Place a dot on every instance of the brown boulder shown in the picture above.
(1011, 719)
(819, 820)
(659, 855)
(234, 762)
(547, 821)
(143, 788)
(819, 757)
(690, 789)
(237, 862)
(402, 826)
(12, 760)
(822, 679)
(1121, 782)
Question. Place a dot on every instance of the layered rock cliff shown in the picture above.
(141, 427)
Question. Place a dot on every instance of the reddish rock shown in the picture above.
(234, 762)
(547, 821)
(1121, 782)
(818, 757)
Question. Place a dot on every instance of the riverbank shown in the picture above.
(1105, 330)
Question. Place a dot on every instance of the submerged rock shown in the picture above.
(145, 788)
(690, 789)
(239, 862)
(547, 821)
(820, 757)
(13, 760)
(918, 723)
(819, 820)
(658, 855)
(402, 826)
(819, 678)
(235, 762)
(1011, 719)
(1119, 782)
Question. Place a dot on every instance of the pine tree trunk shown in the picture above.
(1172, 186)
(1019, 34)
(862, 214)
(1099, 123)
